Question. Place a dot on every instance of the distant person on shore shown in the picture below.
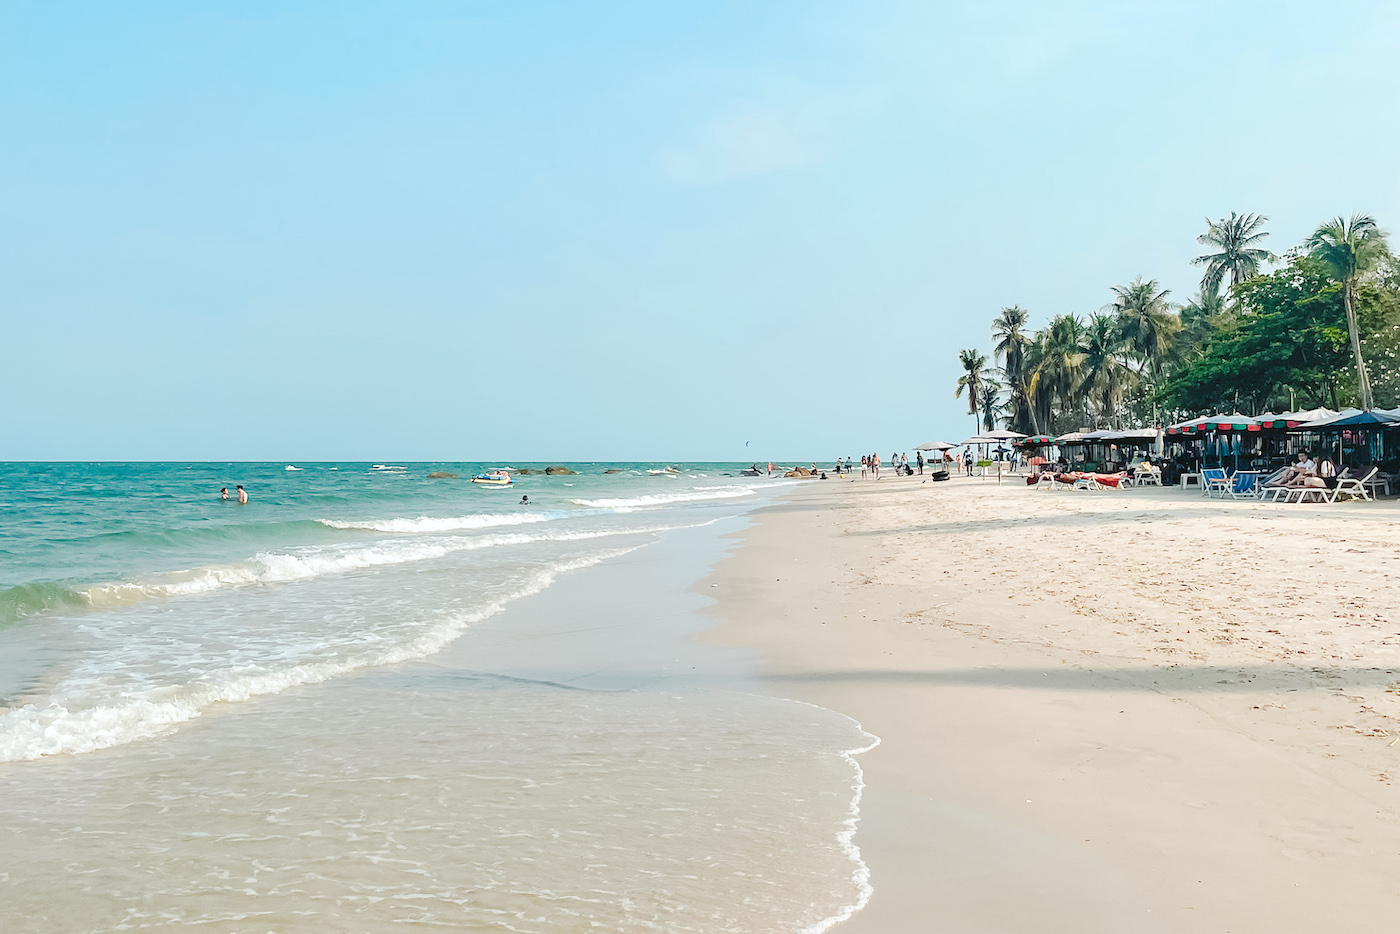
(242, 495)
(875, 465)
(919, 461)
(864, 465)
(223, 494)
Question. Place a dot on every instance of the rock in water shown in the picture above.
(560, 471)
(442, 475)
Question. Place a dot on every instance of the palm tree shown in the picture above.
(1054, 364)
(974, 378)
(1145, 321)
(992, 406)
(1106, 375)
(1239, 255)
(1201, 317)
(1351, 248)
(1009, 332)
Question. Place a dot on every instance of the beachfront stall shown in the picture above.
(1356, 439)
(1216, 441)
(1107, 450)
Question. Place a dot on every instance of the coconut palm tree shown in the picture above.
(1009, 333)
(1106, 374)
(974, 378)
(993, 407)
(1146, 321)
(1239, 253)
(1054, 368)
(1351, 248)
(1201, 317)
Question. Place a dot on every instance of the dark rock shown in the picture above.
(441, 475)
(560, 471)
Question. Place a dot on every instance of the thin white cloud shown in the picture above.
(751, 143)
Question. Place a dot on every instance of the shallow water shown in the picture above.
(446, 716)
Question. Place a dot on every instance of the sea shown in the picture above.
(380, 697)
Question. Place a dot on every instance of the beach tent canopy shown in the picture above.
(1233, 422)
(1074, 437)
(935, 446)
(1034, 441)
(1355, 418)
(1294, 419)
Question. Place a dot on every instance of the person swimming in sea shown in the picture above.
(525, 500)
(223, 493)
(242, 495)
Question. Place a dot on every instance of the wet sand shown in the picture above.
(1138, 710)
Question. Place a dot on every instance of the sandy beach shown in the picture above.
(1137, 710)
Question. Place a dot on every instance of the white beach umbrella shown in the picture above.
(935, 446)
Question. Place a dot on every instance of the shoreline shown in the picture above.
(1087, 743)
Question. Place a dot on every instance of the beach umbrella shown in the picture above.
(1294, 419)
(1353, 418)
(1193, 426)
(1001, 434)
(935, 446)
(1232, 422)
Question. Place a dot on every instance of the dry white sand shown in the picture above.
(1137, 710)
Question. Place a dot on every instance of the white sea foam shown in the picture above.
(845, 839)
(446, 523)
(627, 504)
(286, 567)
(61, 726)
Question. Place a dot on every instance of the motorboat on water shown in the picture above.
(494, 478)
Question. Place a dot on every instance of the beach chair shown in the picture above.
(1087, 482)
(1046, 480)
(1214, 480)
(1353, 487)
(1379, 482)
(1147, 476)
(1243, 485)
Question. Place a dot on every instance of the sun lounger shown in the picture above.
(1353, 487)
(1243, 485)
(1147, 476)
(1214, 480)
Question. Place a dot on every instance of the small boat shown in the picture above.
(494, 478)
(290, 467)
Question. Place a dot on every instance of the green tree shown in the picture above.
(973, 380)
(1288, 342)
(1146, 321)
(1011, 341)
(1054, 367)
(1106, 376)
(1350, 249)
(1239, 254)
(993, 407)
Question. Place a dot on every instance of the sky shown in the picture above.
(622, 230)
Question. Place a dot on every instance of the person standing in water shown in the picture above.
(223, 494)
(242, 494)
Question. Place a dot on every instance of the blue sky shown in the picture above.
(297, 231)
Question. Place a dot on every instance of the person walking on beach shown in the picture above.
(242, 495)
(919, 461)
(875, 465)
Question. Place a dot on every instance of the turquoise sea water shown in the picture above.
(192, 689)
